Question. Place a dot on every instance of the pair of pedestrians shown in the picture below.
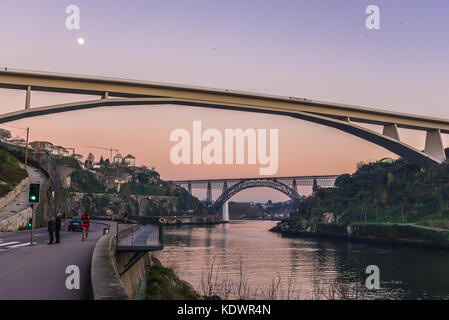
(54, 228)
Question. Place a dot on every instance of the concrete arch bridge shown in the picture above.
(120, 92)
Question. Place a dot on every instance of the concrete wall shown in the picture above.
(64, 175)
(107, 264)
(134, 280)
(45, 163)
(6, 200)
(17, 221)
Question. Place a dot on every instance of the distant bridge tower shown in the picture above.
(189, 197)
(294, 185)
(225, 208)
(209, 194)
(315, 187)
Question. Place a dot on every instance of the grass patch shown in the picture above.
(11, 174)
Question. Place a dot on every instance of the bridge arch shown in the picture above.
(128, 92)
(253, 183)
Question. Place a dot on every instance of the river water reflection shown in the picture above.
(304, 268)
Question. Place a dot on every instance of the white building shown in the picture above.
(18, 142)
(60, 151)
(117, 159)
(42, 146)
(129, 160)
(5, 134)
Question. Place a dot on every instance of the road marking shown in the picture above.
(8, 243)
(21, 245)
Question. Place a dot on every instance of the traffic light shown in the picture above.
(30, 223)
(34, 192)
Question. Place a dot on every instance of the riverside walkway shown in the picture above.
(139, 238)
(38, 272)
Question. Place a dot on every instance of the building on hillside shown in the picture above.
(129, 160)
(42, 146)
(78, 157)
(18, 142)
(5, 134)
(60, 151)
(117, 159)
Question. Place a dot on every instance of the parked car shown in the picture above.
(75, 224)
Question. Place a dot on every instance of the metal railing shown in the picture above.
(138, 237)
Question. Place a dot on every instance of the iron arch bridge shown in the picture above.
(253, 183)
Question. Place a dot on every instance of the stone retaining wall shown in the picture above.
(17, 221)
(6, 200)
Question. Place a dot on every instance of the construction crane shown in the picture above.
(108, 149)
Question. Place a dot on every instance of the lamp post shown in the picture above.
(26, 148)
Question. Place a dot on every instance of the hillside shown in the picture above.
(246, 210)
(141, 193)
(11, 174)
(394, 191)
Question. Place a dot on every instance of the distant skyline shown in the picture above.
(310, 49)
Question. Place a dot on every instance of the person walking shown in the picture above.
(85, 220)
(51, 228)
(58, 223)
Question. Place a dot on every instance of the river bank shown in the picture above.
(179, 220)
(402, 234)
(164, 284)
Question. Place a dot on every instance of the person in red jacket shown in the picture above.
(85, 219)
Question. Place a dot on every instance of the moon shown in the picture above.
(80, 41)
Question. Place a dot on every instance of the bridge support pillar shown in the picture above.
(391, 130)
(189, 197)
(28, 98)
(294, 185)
(434, 145)
(209, 193)
(225, 212)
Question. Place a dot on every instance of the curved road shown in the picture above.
(38, 272)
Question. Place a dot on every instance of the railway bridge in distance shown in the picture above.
(288, 185)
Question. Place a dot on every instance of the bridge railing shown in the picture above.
(138, 237)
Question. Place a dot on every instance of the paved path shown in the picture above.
(425, 227)
(144, 235)
(20, 202)
(38, 272)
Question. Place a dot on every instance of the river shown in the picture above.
(243, 259)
